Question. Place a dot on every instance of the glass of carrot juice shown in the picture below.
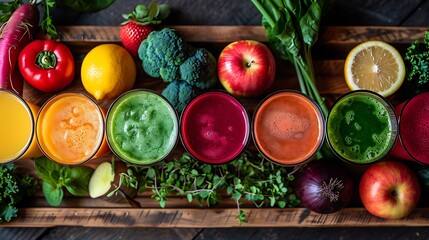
(288, 128)
(70, 128)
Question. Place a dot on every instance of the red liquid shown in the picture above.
(214, 128)
(413, 143)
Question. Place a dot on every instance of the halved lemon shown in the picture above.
(375, 66)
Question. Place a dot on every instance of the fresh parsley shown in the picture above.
(14, 188)
(417, 66)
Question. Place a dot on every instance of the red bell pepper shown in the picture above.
(47, 65)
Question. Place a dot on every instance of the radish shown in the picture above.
(15, 34)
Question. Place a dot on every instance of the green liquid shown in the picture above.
(142, 128)
(360, 128)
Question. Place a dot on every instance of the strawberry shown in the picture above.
(132, 34)
(140, 24)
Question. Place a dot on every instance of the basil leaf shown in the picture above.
(53, 194)
(78, 182)
(47, 170)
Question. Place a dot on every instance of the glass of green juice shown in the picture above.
(361, 127)
(142, 127)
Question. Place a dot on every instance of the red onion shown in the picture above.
(323, 186)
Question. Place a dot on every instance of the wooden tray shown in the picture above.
(329, 54)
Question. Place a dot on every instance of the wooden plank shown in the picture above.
(242, 12)
(72, 233)
(224, 34)
(419, 16)
(329, 62)
(334, 42)
(298, 233)
(15, 233)
(370, 12)
(207, 218)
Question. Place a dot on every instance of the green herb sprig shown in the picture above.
(14, 188)
(417, 65)
(7, 8)
(55, 177)
(248, 178)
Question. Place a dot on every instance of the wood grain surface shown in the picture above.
(87, 212)
(241, 12)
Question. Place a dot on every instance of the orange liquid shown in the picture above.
(288, 128)
(70, 128)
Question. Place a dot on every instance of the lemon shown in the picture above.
(108, 70)
(375, 66)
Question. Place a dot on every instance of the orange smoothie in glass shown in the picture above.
(288, 128)
(17, 138)
(70, 128)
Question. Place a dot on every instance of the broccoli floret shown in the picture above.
(199, 69)
(179, 93)
(162, 52)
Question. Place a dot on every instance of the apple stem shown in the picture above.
(249, 64)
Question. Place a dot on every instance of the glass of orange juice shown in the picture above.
(70, 128)
(17, 139)
(288, 128)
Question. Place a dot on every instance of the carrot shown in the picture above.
(15, 34)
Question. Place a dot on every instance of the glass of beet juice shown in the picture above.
(361, 127)
(288, 128)
(214, 127)
(413, 118)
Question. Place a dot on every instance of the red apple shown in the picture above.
(246, 68)
(389, 190)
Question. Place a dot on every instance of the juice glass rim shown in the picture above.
(322, 127)
(33, 125)
(394, 124)
(103, 126)
(401, 141)
(176, 118)
(246, 118)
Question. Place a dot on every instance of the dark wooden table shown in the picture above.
(239, 12)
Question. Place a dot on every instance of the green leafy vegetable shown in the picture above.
(47, 25)
(417, 66)
(85, 5)
(292, 28)
(13, 188)
(247, 178)
(7, 8)
(55, 177)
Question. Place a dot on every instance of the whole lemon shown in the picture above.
(107, 71)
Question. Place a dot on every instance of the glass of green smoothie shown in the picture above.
(361, 127)
(142, 127)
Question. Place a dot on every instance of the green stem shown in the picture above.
(306, 73)
(301, 81)
(46, 60)
(264, 12)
